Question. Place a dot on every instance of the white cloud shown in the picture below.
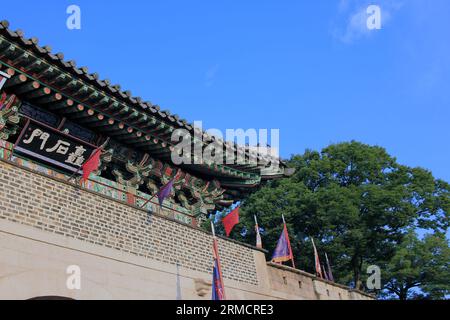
(351, 21)
(210, 75)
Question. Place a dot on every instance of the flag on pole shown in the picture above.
(283, 251)
(91, 164)
(330, 273)
(218, 291)
(165, 191)
(324, 272)
(258, 235)
(230, 221)
(316, 260)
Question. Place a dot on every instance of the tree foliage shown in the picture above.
(420, 268)
(355, 200)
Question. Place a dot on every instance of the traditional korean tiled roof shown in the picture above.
(130, 119)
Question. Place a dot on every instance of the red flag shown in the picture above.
(316, 260)
(330, 273)
(230, 221)
(91, 164)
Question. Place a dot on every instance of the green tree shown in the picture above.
(419, 264)
(355, 200)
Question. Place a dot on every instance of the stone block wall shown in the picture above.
(60, 208)
(47, 224)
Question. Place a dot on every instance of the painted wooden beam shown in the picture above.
(51, 98)
(86, 113)
(41, 92)
(15, 79)
(27, 87)
(61, 105)
(107, 122)
(92, 120)
(73, 109)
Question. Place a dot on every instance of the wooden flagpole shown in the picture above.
(213, 230)
(145, 203)
(258, 235)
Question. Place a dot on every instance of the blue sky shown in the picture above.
(309, 68)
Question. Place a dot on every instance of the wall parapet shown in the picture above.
(56, 206)
(7, 157)
(321, 286)
(62, 210)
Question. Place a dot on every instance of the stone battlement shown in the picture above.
(47, 224)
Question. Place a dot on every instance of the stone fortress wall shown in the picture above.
(123, 252)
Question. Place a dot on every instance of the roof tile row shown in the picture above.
(105, 84)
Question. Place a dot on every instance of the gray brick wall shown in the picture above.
(35, 200)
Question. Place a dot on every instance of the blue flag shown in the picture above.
(283, 250)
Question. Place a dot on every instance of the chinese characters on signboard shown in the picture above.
(53, 147)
